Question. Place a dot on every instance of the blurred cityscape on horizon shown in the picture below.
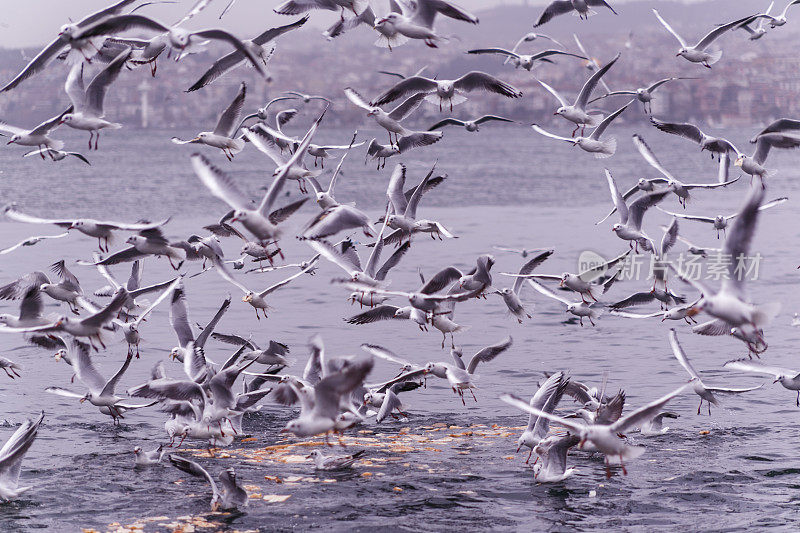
(755, 81)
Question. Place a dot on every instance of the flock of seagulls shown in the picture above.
(205, 398)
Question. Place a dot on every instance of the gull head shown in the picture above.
(682, 51)
(77, 224)
(179, 38)
(137, 450)
(175, 352)
(248, 298)
(314, 454)
(86, 397)
(238, 215)
(5, 318)
(14, 138)
(66, 119)
(645, 185)
(740, 160)
(560, 111)
(403, 313)
(374, 111)
(505, 292)
(59, 355)
(616, 227)
(564, 277)
(67, 30)
(572, 307)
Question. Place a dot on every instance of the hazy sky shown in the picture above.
(35, 22)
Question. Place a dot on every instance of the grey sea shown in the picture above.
(449, 466)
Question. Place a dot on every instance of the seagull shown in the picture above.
(760, 30)
(345, 257)
(336, 219)
(656, 425)
(579, 309)
(782, 125)
(546, 398)
(699, 53)
(56, 155)
(460, 376)
(262, 115)
(697, 250)
(272, 143)
(581, 7)
(684, 312)
(306, 98)
(551, 466)
(604, 437)
(31, 307)
(179, 320)
(447, 90)
(715, 145)
(101, 391)
(31, 241)
(145, 458)
(257, 299)
(318, 414)
(600, 148)
(524, 61)
(333, 462)
(100, 229)
(10, 367)
(38, 136)
(729, 306)
(80, 48)
(680, 189)
(524, 252)
(643, 94)
(254, 220)
(232, 497)
(705, 393)
(233, 59)
(780, 20)
(629, 228)
(391, 121)
(87, 104)
(295, 7)
(274, 354)
(11, 455)
(223, 135)
(91, 326)
(144, 243)
(530, 37)
(754, 165)
(591, 64)
(131, 329)
(415, 20)
(720, 222)
(790, 379)
(381, 152)
(182, 39)
(511, 296)
(577, 112)
(469, 125)
(581, 282)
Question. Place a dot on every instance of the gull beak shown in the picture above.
(244, 299)
(678, 54)
(10, 142)
(284, 430)
(556, 113)
(58, 324)
(777, 380)
(663, 319)
(381, 21)
(308, 456)
(561, 283)
(82, 400)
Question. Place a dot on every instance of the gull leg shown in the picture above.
(798, 399)
(101, 341)
(624, 471)
(96, 138)
(258, 317)
(699, 406)
(473, 395)
(591, 321)
(581, 320)
(529, 457)
(91, 134)
(709, 408)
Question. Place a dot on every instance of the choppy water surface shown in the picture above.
(449, 466)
